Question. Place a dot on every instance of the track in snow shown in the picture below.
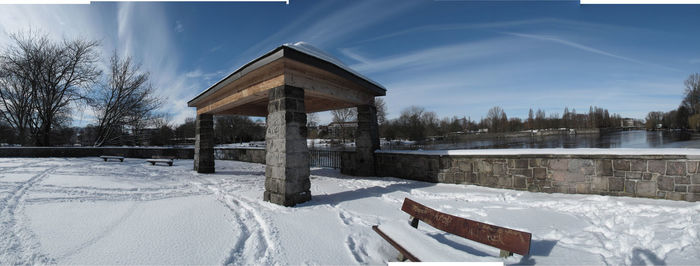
(18, 245)
(256, 243)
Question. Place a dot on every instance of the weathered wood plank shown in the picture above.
(242, 97)
(496, 236)
(398, 247)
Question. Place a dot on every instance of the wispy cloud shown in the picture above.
(322, 27)
(354, 55)
(550, 23)
(216, 48)
(145, 33)
(439, 56)
(559, 40)
(179, 27)
(286, 34)
(343, 22)
(550, 38)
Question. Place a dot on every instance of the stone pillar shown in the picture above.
(366, 139)
(287, 157)
(204, 144)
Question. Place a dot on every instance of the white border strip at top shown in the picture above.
(87, 2)
(634, 2)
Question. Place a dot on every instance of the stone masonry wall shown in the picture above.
(130, 152)
(650, 176)
(240, 154)
(256, 155)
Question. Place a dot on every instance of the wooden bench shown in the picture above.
(112, 157)
(161, 159)
(508, 240)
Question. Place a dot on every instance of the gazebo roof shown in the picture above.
(327, 82)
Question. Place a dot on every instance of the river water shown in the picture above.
(616, 139)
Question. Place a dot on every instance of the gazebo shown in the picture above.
(283, 85)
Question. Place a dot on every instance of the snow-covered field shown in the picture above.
(86, 211)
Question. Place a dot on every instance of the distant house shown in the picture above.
(182, 141)
(627, 122)
(342, 130)
(143, 136)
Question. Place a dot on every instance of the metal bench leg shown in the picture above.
(401, 257)
(414, 221)
(505, 254)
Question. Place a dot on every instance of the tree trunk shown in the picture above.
(22, 134)
(45, 134)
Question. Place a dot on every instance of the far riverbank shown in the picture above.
(558, 139)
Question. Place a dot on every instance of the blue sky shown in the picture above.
(457, 58)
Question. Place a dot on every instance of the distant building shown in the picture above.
(341, 130)
(183, 141)
(143, 136)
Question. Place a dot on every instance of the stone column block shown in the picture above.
(287, 156)
(204, 144)
(366, 139)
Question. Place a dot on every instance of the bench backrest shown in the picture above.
(503, 238)
(163, 157)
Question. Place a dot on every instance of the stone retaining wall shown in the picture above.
(240, 154)
(673, 177)
(131, 152)
(237, 154)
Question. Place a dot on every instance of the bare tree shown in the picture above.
(411, 123)
(497, 119)
(312, 120)
(53, 74)
(69, 67)
(15, 99)
(341, 117)
(381, 110)
(692, 94)
(126, 99)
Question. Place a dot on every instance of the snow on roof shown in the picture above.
(581, 151)
(320, 54)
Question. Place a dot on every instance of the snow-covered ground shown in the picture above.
(86, 211)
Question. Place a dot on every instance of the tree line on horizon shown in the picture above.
(686, 116)
(416, 123)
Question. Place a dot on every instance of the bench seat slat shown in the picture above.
(425, 246)
(496, 236)
(159, 160)
(407, 254)
(112, 157)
